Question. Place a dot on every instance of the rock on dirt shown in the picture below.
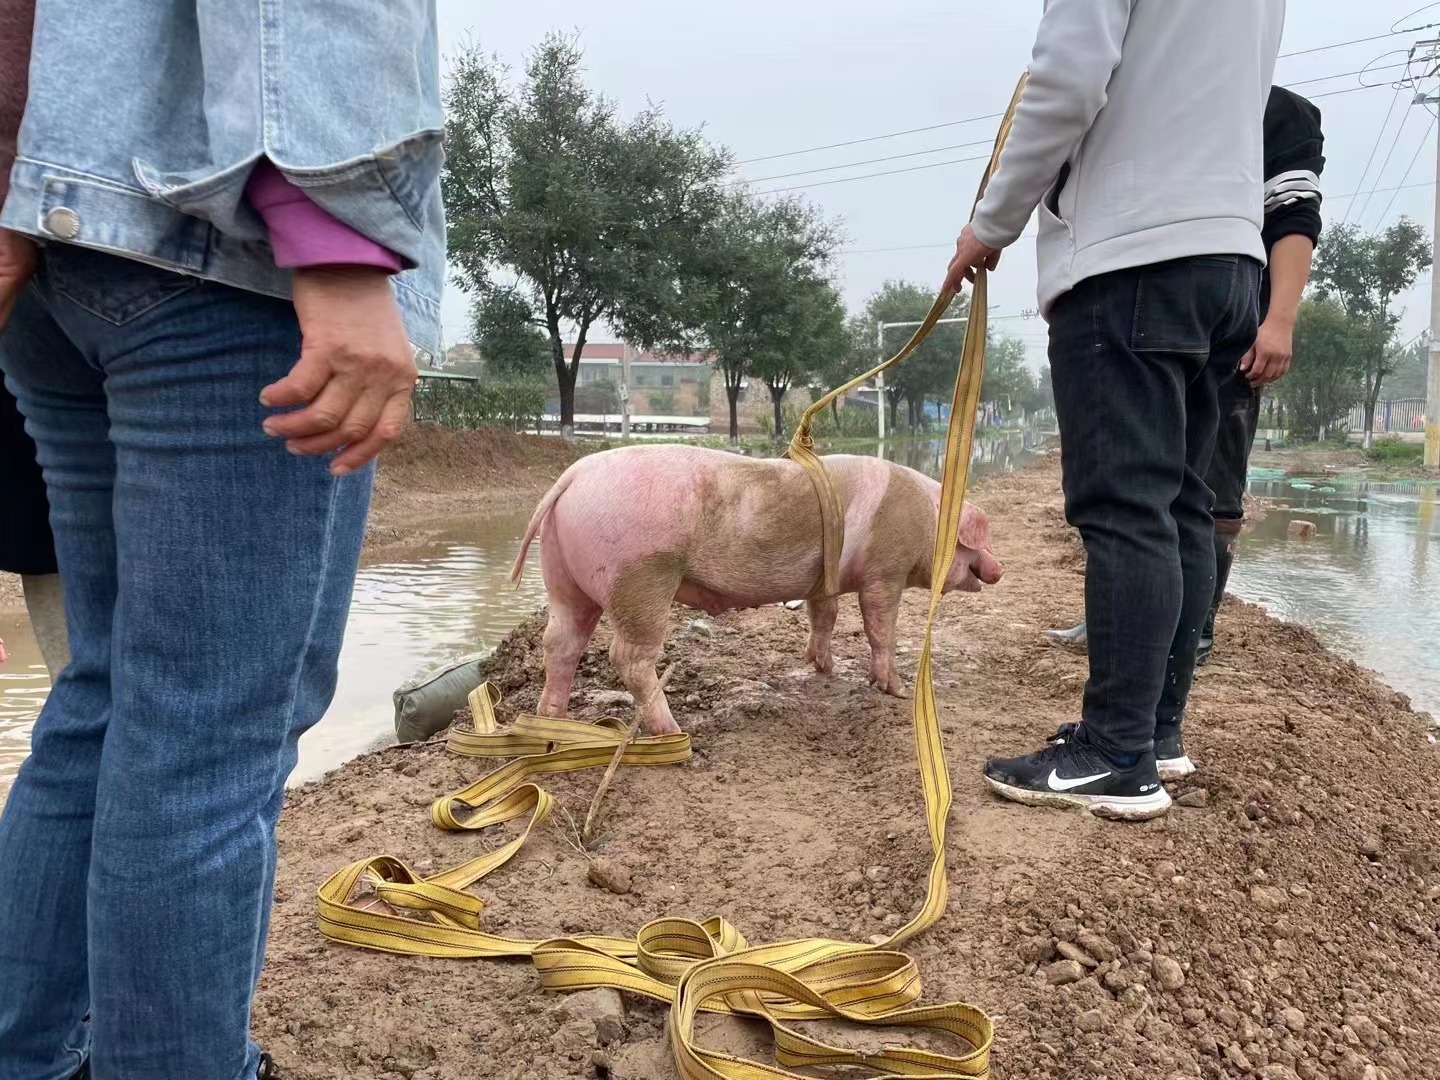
(1168, 972)
(610, 875)
(1268, 898)
(1063, 972)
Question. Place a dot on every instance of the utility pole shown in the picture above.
(1432, 382)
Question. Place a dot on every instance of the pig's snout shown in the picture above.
(988, 568)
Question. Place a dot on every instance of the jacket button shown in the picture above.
(63, 222)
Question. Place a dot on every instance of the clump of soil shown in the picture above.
(1281, 922)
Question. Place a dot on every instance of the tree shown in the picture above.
(1325, 380)
(1364, 273)
(931, 368)
(1008, 381)
(757, 290)
(1412, 366)
(809, 326)
(595, 217)
(503, 328)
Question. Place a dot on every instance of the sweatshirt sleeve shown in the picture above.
(17, 25)
(302, 234)
(1077, 49)
(1294, 162)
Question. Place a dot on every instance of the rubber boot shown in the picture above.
(1224, 560)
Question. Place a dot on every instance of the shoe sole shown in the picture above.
(1175, 768)
(1079, 648)
(1115, 807)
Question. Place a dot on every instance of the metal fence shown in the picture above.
(1401, 414)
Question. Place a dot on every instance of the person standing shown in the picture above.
(1138, 138)
(1294, 160)
(221, 247)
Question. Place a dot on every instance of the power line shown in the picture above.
(1424, 139)
(1360, 215)
(871, 176)
(986, 142)
(872, 138)
(998, 115)
(870, 161)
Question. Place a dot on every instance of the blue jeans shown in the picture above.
(207, 577)
(1137, 358)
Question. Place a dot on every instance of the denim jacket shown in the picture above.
(146, 117)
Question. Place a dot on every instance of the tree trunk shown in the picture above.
(1372, 400)
(777, 396)
(733, 394)
(893, 404)
(572, 372)
(564, 378)
(835, 414)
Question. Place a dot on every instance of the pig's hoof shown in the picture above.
(892, 685)
(666, 726)
(824, 662)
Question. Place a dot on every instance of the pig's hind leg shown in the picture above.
(572, 621)
(639, 607)
(880, 609)
(822, 628)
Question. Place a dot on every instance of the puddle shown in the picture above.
(1368, 582)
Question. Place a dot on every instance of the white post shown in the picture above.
(625, 391)
(880, 379)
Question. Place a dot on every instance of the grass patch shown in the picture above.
(1395, 451)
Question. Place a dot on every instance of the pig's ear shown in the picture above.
(974, 528)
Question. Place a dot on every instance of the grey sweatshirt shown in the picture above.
(1139, 137)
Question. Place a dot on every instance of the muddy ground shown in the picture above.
(1283, 922)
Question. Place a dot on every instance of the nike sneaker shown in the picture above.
(1171, 761)
(1069, 773)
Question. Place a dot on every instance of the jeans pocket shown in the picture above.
(1177, 304)
(110, 287)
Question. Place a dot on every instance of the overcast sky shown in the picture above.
(773, 77)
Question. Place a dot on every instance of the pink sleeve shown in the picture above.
(302, 234)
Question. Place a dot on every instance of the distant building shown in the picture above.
(463, 359)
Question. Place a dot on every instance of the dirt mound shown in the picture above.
(428, 457)
(1282, 922)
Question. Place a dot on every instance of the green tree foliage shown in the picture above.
(1008, 381)
(1325, 380)
(931, 369)
(1364, 273)
(596, 218)
(504, 330)
(761, 300)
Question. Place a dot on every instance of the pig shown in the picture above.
(628, 531)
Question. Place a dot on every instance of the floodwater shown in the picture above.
(1368, 582)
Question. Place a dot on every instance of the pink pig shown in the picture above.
(629, 531)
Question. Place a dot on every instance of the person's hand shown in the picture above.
(17, 263)
(356, 369)
(970, 255)
(1269, 358)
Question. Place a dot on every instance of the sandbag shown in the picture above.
(425, 705)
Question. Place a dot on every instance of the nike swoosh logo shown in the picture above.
(1057, 784)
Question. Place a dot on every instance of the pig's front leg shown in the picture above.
(822, 627)
(880, 608)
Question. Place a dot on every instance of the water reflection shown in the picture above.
(1366, 583)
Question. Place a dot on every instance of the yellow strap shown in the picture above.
(695, 967)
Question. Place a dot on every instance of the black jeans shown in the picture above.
(1137, 358)
(1239, 417)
